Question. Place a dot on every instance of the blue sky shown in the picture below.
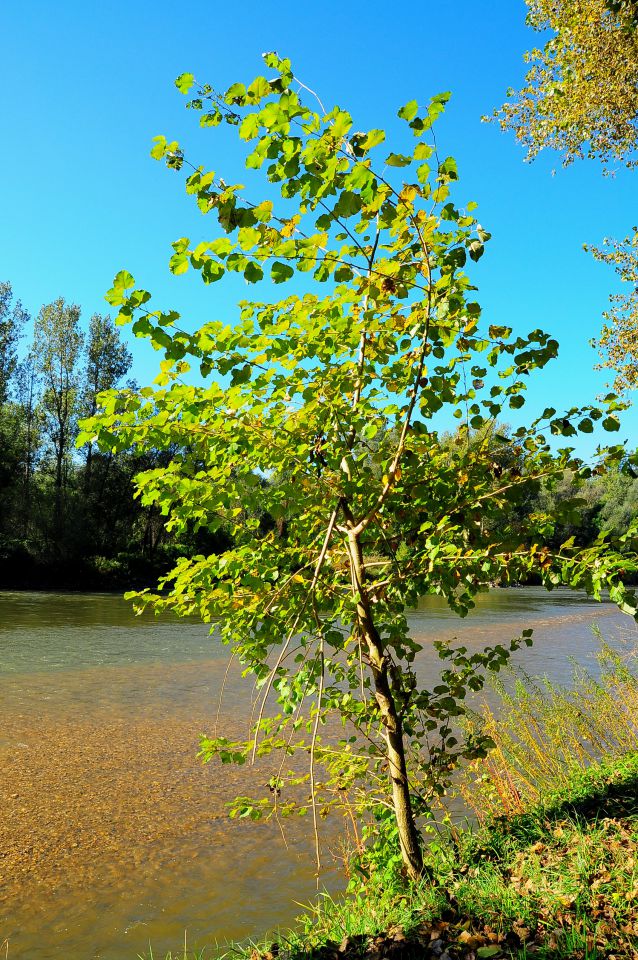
(85, 87)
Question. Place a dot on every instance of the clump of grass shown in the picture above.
(544, 733)
(184, 954)
(569, 864)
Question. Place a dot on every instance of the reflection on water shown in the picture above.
(111, 833)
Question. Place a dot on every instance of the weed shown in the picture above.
(545, 733)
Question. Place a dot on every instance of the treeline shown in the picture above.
(567, 506)
(68, 517)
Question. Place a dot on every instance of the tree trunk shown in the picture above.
(393, 728)
(59, 487)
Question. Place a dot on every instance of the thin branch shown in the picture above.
(223, 688)
(313, 744)
(312, 92)
(310, 594)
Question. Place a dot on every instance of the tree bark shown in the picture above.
(393, 728)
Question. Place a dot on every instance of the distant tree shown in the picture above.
(57, 350)
(10, 470)
(618, 341)
(567, 509)
(580, 96)
(27, 392)
(108, 360)
(13, 319)
(617, 494)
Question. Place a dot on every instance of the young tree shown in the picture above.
(57, 346)
(337, 390)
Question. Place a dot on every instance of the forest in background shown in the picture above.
(68, 516)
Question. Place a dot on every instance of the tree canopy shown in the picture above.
(618, 341)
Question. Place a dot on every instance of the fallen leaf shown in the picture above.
(492, 951)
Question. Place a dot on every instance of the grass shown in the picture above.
(559, 881)
(184, 954)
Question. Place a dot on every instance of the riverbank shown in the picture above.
(559, 881)
(23, 570)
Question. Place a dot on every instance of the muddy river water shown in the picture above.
(112, 834)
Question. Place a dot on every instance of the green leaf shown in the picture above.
(343, 274)
(360, 177)
(181, 245)
(178, 263)
(159, 148)
(263, 211)
(123, 280)
(258, 89)
(409, 111)
(222, 246)
(236, 94)
(476, 250)
(423, 151)
(248, 237)
(373, 139)
(398, 160)
(212, 271)
(253, 273)
(250, 126)
(281, 272)
(448, 169)
(348, 204)
(212, 119)
(184, 82)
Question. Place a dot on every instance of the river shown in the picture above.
(112, 834)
